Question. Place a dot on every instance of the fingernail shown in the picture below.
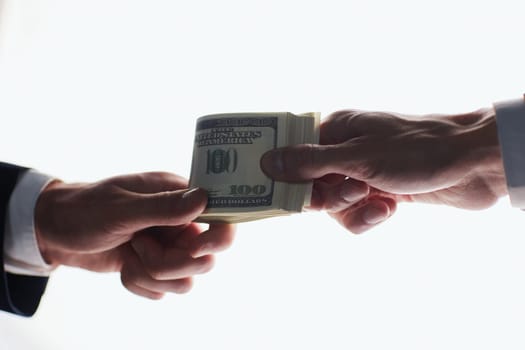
(272, 162)
(374, 215)
(193, 199)
(353, 192)
(194, 195)
(190, 192)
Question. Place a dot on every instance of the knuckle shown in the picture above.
(341, 114)
(343, 125)
(125, 279)
(148, 251)
(127, 276)
(156, 273)
(355, 120)
(155, 269)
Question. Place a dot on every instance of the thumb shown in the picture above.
(168, 208)
(307, 162)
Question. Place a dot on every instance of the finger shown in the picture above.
(334, 197)
(140, 211)
(363, 218)
(178, 286)
(307, 162)
(179, 236)
(145, 286)
(143, 292)
(150, 182)
(170, 263)
(392, 204)
(332, 179)
(134, 275)
(217, 238)
(317, 200)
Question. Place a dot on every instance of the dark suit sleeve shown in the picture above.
(18, 294)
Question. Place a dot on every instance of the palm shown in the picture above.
(178, 238)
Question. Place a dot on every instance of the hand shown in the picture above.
(452, 160)
(139, 225)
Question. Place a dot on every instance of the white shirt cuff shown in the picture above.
(21, 253)
(510, 119)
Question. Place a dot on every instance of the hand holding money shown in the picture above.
(226, 157)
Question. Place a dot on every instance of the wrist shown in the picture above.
(480, 148)
(47, 221)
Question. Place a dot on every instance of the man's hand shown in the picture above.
(369, 161)
(139, 225)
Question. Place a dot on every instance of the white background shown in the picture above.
(90, 89)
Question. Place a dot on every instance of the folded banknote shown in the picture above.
(226, 162)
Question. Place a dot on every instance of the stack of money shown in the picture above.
(226, 157)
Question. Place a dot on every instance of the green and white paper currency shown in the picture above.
(226, 157)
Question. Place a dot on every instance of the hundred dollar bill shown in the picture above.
(226, 156)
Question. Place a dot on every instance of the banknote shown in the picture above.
(226, 162)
